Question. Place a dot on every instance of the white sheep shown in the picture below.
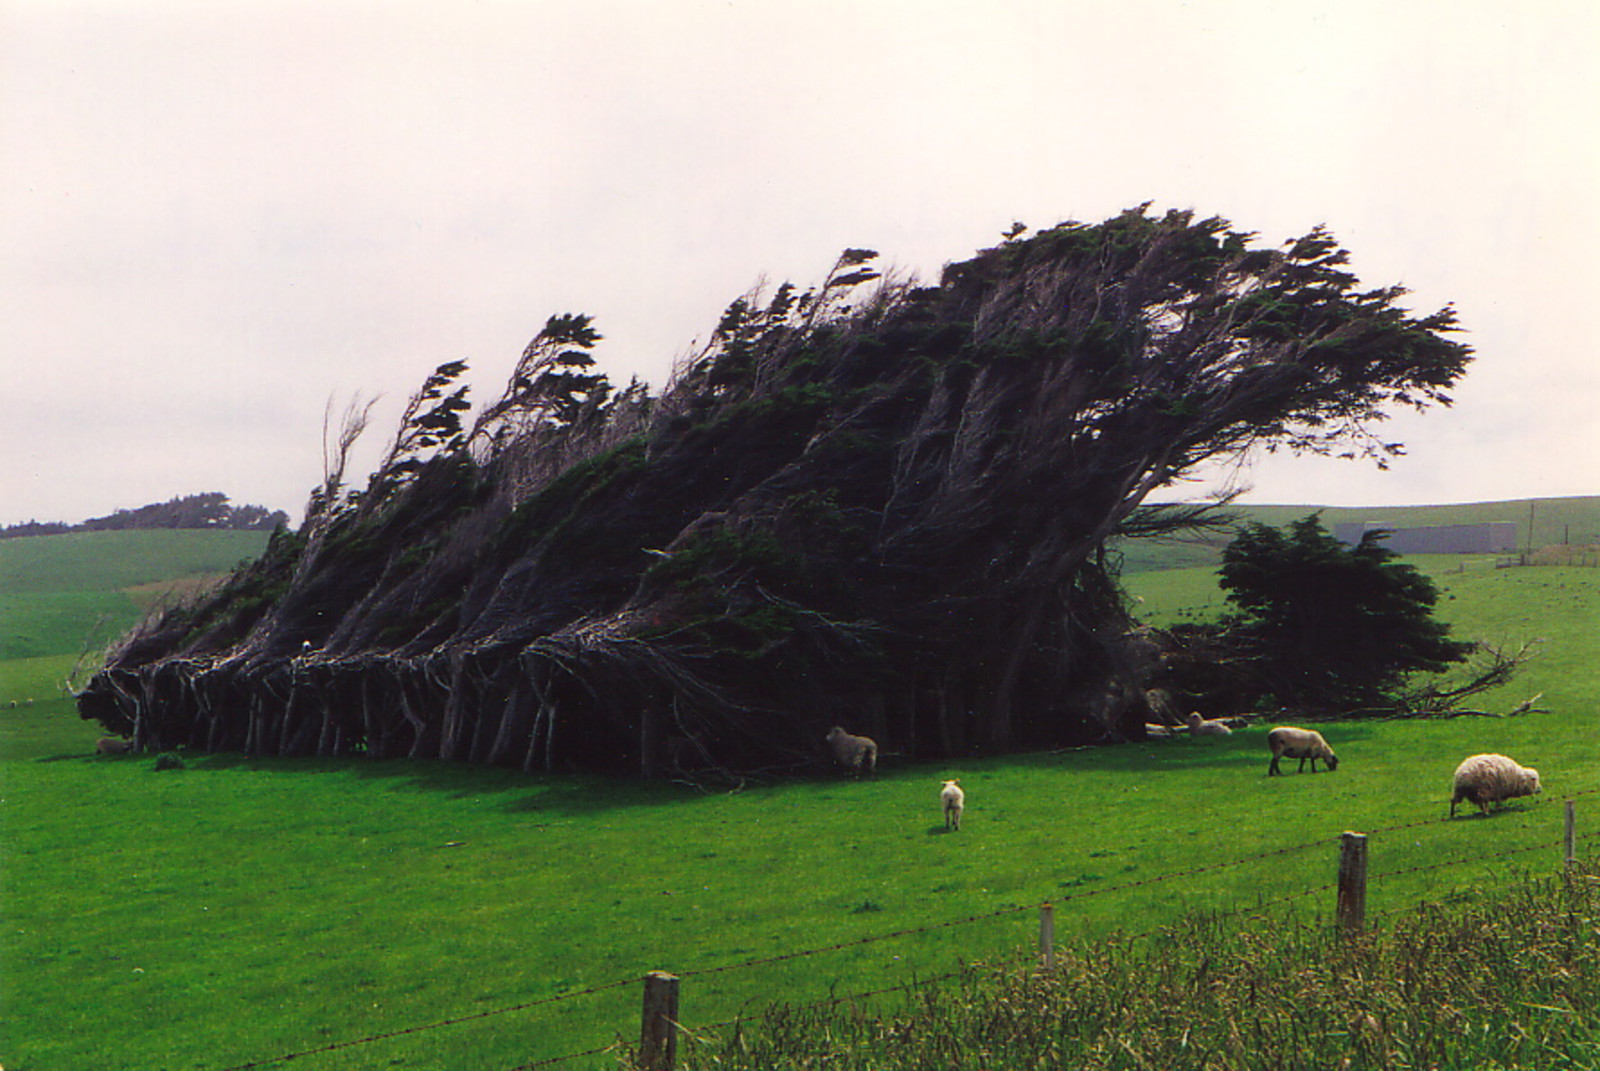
(1490, 779)
(855, 752)
(113, 745)
(1199, 726)
(1299, 744)
(954, 801)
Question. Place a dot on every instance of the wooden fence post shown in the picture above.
(1047, 936)
(1352, 908)
(658, 1030)
(1569, 838)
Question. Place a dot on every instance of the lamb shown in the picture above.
(1490, 779)
(1199, 726)
(954, 801)
(1299, 744)
(112, 745)
(855, 752)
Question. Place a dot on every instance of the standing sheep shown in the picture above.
(954, 801)
(1299, 744)
(854, 751)
(1490, 779)
(1199, 726)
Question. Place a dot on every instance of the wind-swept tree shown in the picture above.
(873, 502)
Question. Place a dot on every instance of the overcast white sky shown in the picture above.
(217, 215)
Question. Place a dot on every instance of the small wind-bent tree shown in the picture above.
(429, 426)
(551, 384)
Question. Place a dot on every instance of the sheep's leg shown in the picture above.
(1273, 769)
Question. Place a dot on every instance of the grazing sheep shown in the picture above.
(1490, 779)
(853, 751)
(954, 801)
(1299, 744)
(1199, 726)
(112, 745)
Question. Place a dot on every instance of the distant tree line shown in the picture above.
(210, 509)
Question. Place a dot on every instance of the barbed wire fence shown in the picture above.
(660, 1023)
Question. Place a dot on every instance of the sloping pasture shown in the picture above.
(61, 593)
(235, 910)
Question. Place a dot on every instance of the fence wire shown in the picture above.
(912, 931)
(833, 1001)
(551, 1061)
(456, 1021)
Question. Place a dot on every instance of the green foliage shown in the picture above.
(723, 550)
(430, 427)
(552, 385)
(249, 592)
(1326, 627)
(563, 498)
(1554, 608)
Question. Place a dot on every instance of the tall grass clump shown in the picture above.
(1502, 978)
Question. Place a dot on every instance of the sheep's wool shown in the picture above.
(1489, 779)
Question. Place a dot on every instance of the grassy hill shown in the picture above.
(237, 910)
(1554, 521)
(61, 593)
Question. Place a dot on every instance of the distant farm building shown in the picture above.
(1495, 537)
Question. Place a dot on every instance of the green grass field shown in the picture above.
(61, 593)
(238, 910)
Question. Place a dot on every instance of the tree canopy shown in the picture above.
(1329, 627)
(873, 503)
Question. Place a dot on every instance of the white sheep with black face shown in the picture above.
(1490, 779)
(860, 753)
